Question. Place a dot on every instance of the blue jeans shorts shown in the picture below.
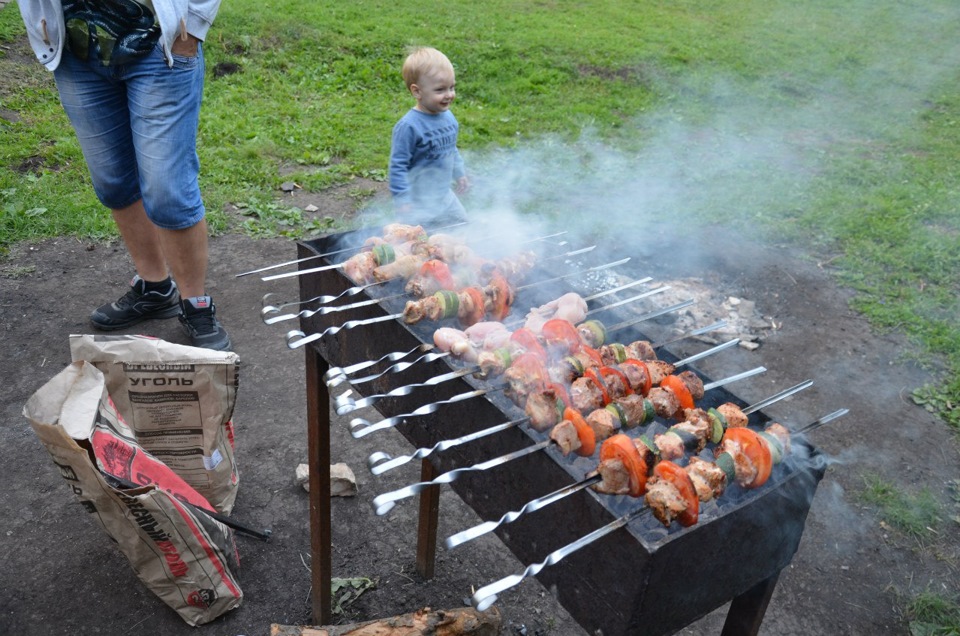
(137, 126)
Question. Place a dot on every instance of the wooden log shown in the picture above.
(463, 621)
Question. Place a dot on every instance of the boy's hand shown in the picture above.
(463, 185)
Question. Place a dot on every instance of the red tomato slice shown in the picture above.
(648, 383)
(621, 447)
(756, 450)
(588, 439)
(679, 389)
(439, 271)
(670, 472)
(502, 295)
(528, 340)
(560, 334)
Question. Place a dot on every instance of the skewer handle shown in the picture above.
(360, 427)
(296, 338)
(487, 595)
(531, 506)
(382, 504)
(381, 462)
(398, 367)
(334, 372)
(346, 404)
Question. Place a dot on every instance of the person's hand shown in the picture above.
(185, 47)
(463, 185)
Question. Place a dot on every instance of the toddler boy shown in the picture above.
(424, 160)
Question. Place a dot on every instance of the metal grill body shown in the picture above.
(641, 579)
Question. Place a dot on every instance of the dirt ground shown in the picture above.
(59, 574)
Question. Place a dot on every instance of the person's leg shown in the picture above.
(95, 100)
(164, 117)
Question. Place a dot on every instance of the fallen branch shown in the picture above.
(425, 622)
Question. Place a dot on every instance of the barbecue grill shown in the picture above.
(640, 579)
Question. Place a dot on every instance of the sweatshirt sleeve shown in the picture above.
(402, 146)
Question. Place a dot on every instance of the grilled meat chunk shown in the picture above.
(693, 383)
(659, 370)
(615, 478)
(541, 407)
(565, 435)
(733, 414)
(664, 500)
(585, 395)
(604, 423)
(665, 403)
(709, 479)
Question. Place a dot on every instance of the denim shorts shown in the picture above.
(137, 126)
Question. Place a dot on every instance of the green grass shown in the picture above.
(931, 614)
(832, 124)
(916, 514)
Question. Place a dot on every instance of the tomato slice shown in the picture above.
(439, 271)
(528, 340)
(679, 389)
(608, 371)
(756, 450)
(560, 334)
(670, 472)
(648, 383)
(592, 375)
(588, 439)
(621, 447)
(501, 294)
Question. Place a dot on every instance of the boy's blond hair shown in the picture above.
(422, 61)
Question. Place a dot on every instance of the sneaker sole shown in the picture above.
(170, 312)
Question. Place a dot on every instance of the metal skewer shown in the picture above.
(487, 595)
(335, 252)
(360, 427)
(297, 338)
(346, 404)
(536, 504)
(380, 462)
(382, 504)
(306, 313)
(323, 268)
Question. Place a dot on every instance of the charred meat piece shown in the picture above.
(585, 395)
(665, 500)
(636, 375)
(709, 479)
(541, 407)
(615, 382)
(429, 308)
(604, 423)
(402, 233)
(633, 410)
(733, 414)
(403, 267)
(641, 350)
(615, 478)
(665, 402)
(565, 435)
(359, 268)
(746, 471)
(659, 370)
(693, 383)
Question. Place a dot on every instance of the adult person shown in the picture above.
(130, 78)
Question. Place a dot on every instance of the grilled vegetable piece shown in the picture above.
(622, 467)
(751, 456)
(672, 495)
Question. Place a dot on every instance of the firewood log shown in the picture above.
(426, 622)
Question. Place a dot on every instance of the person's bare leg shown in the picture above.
(186, 254)
(143, 243)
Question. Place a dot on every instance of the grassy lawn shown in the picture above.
(831, 124)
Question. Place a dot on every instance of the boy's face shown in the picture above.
(435, 91)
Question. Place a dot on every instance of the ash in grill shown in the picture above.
(738, 546)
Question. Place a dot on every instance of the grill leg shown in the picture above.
(747, 610)
(318, 448)
(429, 518)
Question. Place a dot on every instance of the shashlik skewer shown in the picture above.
(345, 403)
(336, 376)
(275, 317)
(329, 254)
(486, 596)
(541, 502)
(271, 309)
(385, 502)
(296, 338)
(380, 462)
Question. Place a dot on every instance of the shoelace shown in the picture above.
(201, 321)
